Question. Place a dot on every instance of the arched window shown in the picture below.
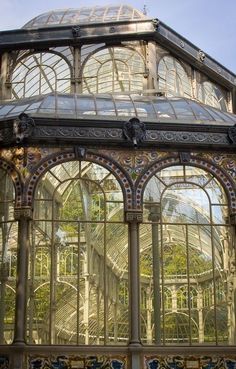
(113, 69)
(182, 298)
(81, 294)
(167, 299)
(40, 73)
(211, 94)
(172, 78)
(185, 246)
(8, 258)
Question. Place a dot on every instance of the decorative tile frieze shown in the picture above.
(25, 159)
(189, 362)
(77, 361)
(134, 161)
(225, 161)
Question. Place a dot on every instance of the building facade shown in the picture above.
(117, 196)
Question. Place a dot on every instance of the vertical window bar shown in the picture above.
(31, 296)
(162, 277)
(52, 283)
(106, 311)
(78, 284)
(188, 282)
(213, 275)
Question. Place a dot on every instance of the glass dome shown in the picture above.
(116, 106)
(94, 14)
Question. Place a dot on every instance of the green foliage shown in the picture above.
(175, 261)
(42, 302)
(9, 305)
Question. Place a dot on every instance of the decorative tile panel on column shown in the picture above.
(77, 361)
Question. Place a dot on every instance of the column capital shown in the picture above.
(134, 216)
(23, 212)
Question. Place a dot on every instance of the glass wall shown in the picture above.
(40, 73)
(213, 95)
(113, 69)
(173, 79)
(185, 258)
(78, 285)
(8, 258)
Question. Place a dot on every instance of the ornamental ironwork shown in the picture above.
(232, 134)
(134, 131)
(23, 127)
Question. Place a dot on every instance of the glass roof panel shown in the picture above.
(126, 105)
(182, 109)
(85, 105)
(85, 15)
(199, 111)
(4, 109)
(48, 105)
(66, 105)
(105, 106)
(144, 107)
(164, 109)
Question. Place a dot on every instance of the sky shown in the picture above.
(209, 24)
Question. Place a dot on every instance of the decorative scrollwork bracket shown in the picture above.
(23, 127)
(76, 31)
(232, 134)
(134, 131)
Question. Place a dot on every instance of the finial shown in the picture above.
(145, 9)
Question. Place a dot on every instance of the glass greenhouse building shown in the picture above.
(117, 196)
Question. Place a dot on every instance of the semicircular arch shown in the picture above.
(16, 178)
(59, 158)
(220, 174)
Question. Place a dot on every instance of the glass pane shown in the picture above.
(117, 284)
(79, 263)
(171, 174)
(105, 106)
(185, 204)
(197, 175)
(164, 109)
(8, 259)
(66, 105)
(185, 253)
(216, 192)
(182, 109)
